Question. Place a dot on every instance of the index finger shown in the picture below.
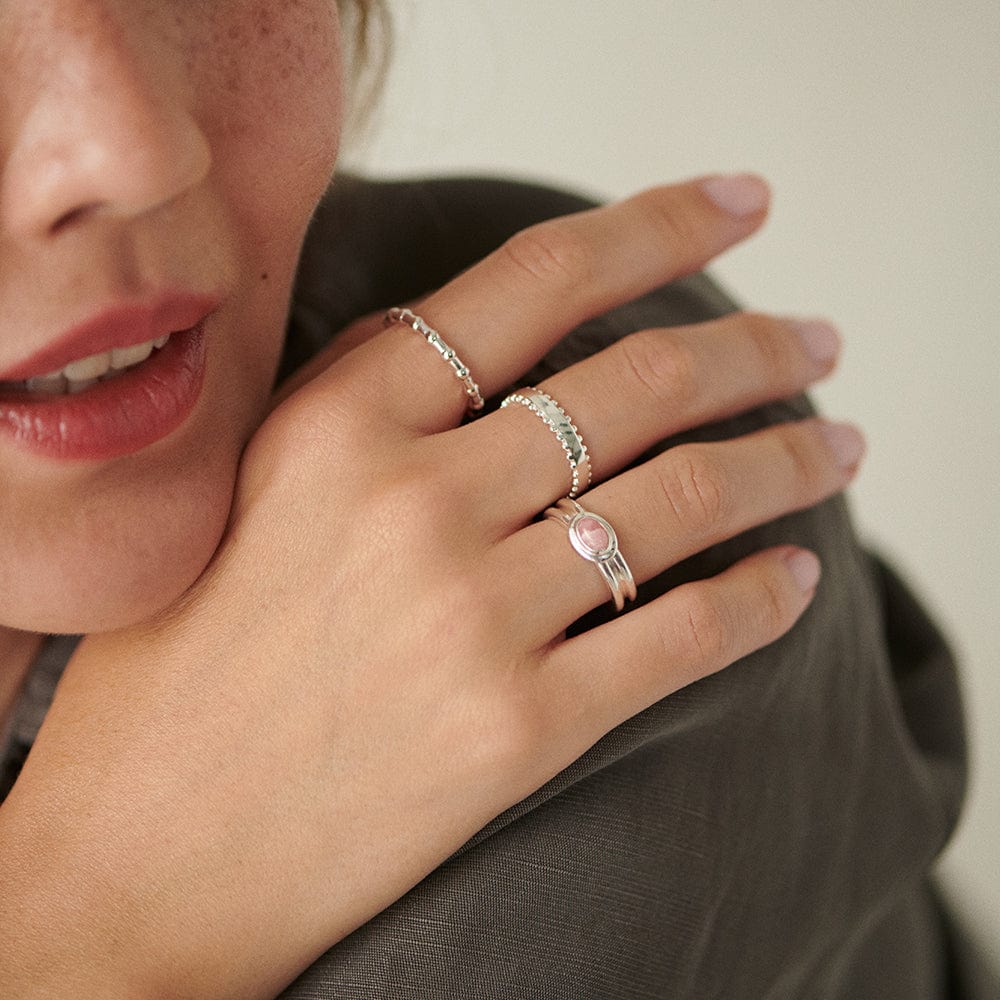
(507, 311)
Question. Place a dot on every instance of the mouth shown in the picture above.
(77, 376)
(108, 404)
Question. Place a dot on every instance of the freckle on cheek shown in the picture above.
(262, 20)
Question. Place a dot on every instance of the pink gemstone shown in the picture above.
(592, 534)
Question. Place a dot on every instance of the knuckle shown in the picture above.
(760, 331)
(693, 486)
(513, 722)
(482, 615)
(520, 727)
(292, 450)
(411, 507)
(709, 629)
(776, 610)
(799, 452)
(772, 350)
(550, 252)
(664, 369)
(679, 227)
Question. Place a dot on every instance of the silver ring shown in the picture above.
(421, 326)
(557, 420)
(595, 539)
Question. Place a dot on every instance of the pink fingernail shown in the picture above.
(738, 194)
(846, 443)
(805, 569)
(819, 338)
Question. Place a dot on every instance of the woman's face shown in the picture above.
(159, 162)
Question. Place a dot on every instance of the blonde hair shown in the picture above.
(366, 50)
(361, 20)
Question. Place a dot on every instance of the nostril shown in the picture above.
(63, 172)
(69, 218)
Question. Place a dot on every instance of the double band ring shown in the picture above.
(421, 326)
(595, 540)
(557, 420)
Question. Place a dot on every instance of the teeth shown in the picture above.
(53, 385)
(74, 387)
(126, 356)
(82, 374)
(88, 368)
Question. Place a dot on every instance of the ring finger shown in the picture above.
(679, 503)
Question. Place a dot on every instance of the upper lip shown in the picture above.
(119, 326)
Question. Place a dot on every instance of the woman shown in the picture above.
(331, 642)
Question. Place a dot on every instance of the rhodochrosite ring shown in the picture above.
(595, 540)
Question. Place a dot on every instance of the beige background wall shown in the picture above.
(878, 122)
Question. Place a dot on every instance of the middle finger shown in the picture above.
(639, 391)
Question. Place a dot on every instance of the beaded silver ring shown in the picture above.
(417, 323)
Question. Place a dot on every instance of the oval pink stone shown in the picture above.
(592, 534)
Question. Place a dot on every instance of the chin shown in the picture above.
(110, 546)
(121, 546)
(102, 587)
(138, 595)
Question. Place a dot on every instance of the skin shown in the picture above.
(201, 137)
(351, 494)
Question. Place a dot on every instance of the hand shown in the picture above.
(374, 664)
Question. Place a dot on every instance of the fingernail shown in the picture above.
(738, 194)
(805, 569)
(846, 443)
(819, 338)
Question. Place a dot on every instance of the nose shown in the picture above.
(102, 124)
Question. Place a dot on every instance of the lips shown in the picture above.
(127, 413)
(120, 327)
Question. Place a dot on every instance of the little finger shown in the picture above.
(615, 671)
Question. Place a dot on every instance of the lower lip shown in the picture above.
(117, 417)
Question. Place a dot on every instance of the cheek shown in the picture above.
(271, 93)
(269, 80)
(91, 553)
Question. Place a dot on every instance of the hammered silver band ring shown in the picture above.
(557, 420)
(594, 539)
(417, 323)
